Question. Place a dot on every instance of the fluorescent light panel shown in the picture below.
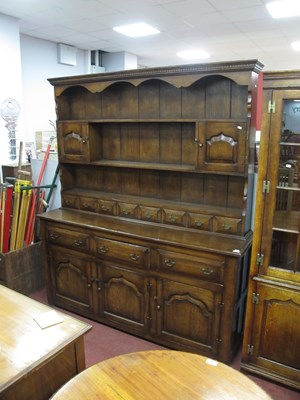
(284, 8)
(136, 30)
(193, 54)
(296, 46)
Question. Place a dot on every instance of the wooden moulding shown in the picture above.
(23, 270)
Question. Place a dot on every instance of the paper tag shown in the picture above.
(48, 318)
(211, 362)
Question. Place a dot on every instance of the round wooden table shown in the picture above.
(160, 375)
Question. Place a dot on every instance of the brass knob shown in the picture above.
(102, 249)
(200, 144)
(169, 262)
(134, 257)
(207, 271)
(78, 243)
(227, 227)
(158, 307)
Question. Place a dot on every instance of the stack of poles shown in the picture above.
(6, 195)
(19, 205)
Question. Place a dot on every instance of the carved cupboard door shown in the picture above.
(222, 146)
(125, 298)
(72, 280)
(73, 142)
(189, 316)
(276, 333)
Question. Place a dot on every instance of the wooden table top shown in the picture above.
(160, 375)
(24, 345)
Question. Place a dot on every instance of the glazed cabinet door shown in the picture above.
(280, 244)
(71, 278)
(276, 334)
(188, 317)
(222, 146)
(125, 298)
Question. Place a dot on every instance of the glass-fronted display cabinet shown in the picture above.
(272, 326)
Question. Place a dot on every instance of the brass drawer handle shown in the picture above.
(149, 216)
(52, 236)
(169, 262)
(68, 203)
(198, 223)
(134, 257)
(78, 242)
(207, 271)
(172, 218)
(102, 249)
(104, 209)
(85, 205)
(227, 227)
(125, 212)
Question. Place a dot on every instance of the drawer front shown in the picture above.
(68, 238)
(127, 210)
(174, 217)
(124, 252)
(204, 268)
(228, 225)
(151, 214)
(200, 221)
(69, 201)
(88, 204)
(106, 207)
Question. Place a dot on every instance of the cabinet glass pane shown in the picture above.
(286, 221)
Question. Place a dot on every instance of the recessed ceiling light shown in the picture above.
(296, 46)
(284, 8)
(195, 54)
(136, 30)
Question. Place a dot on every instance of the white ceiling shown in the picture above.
(227, 29)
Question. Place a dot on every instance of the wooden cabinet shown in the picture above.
(272, 333)
(156, 169)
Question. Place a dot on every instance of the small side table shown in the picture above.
(160, 375)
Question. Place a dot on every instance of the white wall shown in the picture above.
(39, 60)
(119, 61)
(10, 79)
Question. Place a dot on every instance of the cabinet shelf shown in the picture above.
(145, 165)
(287, 221)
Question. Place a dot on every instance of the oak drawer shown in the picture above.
(151, 214)
(204, 268)
(200, 221)
(69, 201)
(106, 207)
(88, 204)
(124, 252)
(68, 238)
(174, 217)
(228, 225)
(127, 210)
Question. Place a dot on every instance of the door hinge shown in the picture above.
(260, 259)
(266, 187)
(255, 298)
(250, 350)
(271, 106)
